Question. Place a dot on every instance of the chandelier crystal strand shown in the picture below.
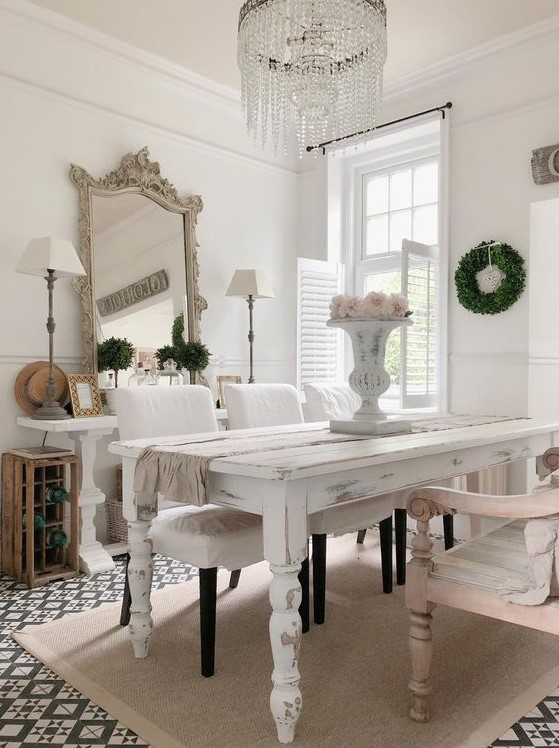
(311, 69)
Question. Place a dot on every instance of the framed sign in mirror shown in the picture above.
(138, 246)
(85, 396)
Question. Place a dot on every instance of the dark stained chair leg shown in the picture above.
(361, 536)
(448, 525)
(401, 524)
(304, 607)
(234, 579)
(208, 599)
(126, 599)
(319, 577)
(385, 527)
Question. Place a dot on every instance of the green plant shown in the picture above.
(509, 262)
(164, 353)
(114, 354)
(195, 356)
(191, 356)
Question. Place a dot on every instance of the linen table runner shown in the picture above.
(180, 470)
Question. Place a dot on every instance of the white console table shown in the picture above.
(85, 433)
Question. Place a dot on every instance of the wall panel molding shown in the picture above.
(474, 358)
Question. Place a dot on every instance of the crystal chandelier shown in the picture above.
(311, 69)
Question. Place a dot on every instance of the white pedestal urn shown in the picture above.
(369, 379)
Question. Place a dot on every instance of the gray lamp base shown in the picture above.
(50, 412)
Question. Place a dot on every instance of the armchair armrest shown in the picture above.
(428, 502)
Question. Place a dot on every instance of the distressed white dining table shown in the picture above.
(284, 486)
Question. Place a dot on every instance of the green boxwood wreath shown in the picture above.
(508, 260)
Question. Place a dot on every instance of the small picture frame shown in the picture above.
(85, 395)
(145, 357)
(222, 381)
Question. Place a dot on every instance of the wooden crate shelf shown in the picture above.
(26, 553)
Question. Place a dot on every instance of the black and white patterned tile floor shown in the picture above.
(39, 709)
(36, 707)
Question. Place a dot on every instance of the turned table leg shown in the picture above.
(284, 523)
(140, 571)
(421, 651)
(285, 640)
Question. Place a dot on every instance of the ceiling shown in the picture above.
(201, 34)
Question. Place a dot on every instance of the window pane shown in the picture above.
(400, 228)
(377, 235)
(385, 282)
(426, 184)
(400, 190)
(426, 224)
(377, 195)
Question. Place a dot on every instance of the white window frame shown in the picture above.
(390, 158)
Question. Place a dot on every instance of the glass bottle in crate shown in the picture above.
(169, 375)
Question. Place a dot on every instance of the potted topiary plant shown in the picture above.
(114, 354)
(193, 357)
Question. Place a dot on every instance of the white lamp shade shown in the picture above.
(47, 253)
(250, 283)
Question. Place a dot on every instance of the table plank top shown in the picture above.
(302, 462)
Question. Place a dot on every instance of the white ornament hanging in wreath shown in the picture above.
(490, 278)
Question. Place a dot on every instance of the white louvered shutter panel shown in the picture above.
(420, 355)
(319, 349)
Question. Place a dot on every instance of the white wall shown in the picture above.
(66, 100)
(506, 102)
(544, 310)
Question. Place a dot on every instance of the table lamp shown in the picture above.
(250, 284)
(51, 258)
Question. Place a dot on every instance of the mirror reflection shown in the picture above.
(139, 273)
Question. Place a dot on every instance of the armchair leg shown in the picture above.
(401, 526)
(208, 599)
(234, 579)
(319, 577)
(421, 650)
(448, 525)
(126, 597)
(361, 536)
(385, 527)
(304, 607)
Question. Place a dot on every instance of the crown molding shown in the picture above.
(158, 66)
(460, 65)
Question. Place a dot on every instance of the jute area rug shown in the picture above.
(354, 669)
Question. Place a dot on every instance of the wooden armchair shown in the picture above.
(469, 576)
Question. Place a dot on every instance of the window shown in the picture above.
(396, 237)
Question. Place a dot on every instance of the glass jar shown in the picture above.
(169, 375)
(137, 378)
(149, 379)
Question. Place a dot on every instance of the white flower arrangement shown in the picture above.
(375, 305)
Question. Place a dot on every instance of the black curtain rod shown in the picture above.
(323, 146)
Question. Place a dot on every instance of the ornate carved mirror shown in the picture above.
(138, 246)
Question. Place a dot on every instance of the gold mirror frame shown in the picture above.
(136, 174)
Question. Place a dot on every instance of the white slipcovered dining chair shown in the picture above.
(258, 405)
(205, 537)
